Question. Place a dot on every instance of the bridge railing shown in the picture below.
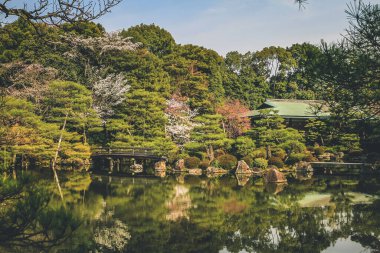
(125, 151)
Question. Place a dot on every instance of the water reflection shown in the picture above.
(185, 213)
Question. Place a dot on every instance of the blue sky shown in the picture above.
(241, 25)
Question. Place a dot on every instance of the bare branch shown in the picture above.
(54, 12)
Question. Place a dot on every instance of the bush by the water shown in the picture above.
(192, 162)
(204, 164)
(276, 161)
(227, 161)
(260, 163)
(295, 158)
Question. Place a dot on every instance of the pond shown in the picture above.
(183, 213)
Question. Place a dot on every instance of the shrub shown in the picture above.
(259, 153)
(293, 146)
(319, 150)
(192, 162)
(227, 162)
(295, 158)
(279, 152)
(276, 161)
(260, 163)
(204, 164)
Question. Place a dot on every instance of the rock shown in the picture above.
(213, 170)
(243, 168)
(274, 176)
(305, 166)
(137, 168)
(180, 165)
(196, 172)
(160, 166)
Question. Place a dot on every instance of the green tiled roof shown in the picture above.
(291, 108)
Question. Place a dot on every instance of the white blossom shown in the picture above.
(179, 124)
(108, 93)
(112, 41)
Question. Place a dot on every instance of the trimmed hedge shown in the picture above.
(276, 161)
(227, 162)
(192, 162)
(260, 163)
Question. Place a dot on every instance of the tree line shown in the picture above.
(138, 87)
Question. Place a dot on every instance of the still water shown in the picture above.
(183, 213)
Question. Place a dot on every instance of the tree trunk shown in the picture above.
(14, 167)
(269, 152)
(210, 153)
(56, 157)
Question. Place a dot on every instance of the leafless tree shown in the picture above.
(54, 12)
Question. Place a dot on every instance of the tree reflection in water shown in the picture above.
(200, 214)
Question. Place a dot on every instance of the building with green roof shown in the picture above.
(295, 112)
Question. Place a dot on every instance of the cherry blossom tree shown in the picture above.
(179, 115)
(108, 93)
(233, 122)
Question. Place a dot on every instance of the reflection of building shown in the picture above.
(179, 204)
(295, 112)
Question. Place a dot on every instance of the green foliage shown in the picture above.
(157, 40)
(243, 146)
(144, 112)
(279, 152)
(276, 161)
(227, 161)
(260, 163)
(159, 69)
(192, 162)
(295, 158)
(208, 133)
(71, 101)
(348, 143)
(293, 146)
(316, 132)
(269, 131)
(258, 153)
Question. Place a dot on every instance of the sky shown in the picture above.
(235, 25)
